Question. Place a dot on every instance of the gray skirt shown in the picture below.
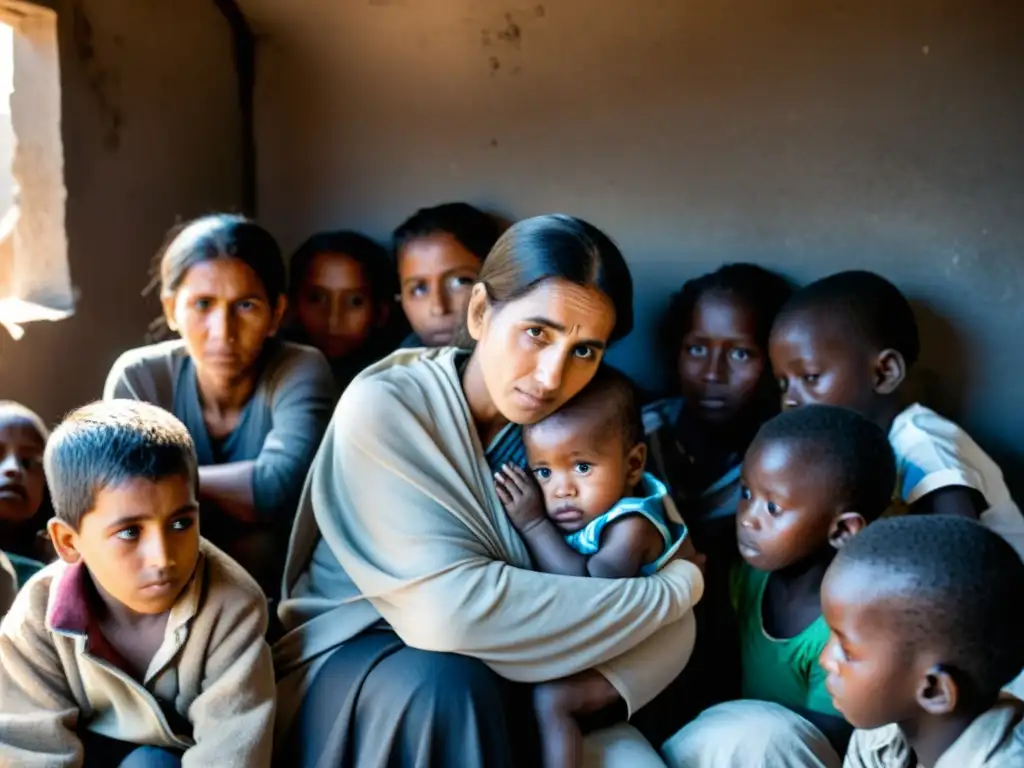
(376, 703)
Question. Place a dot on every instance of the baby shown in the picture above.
(592, 511)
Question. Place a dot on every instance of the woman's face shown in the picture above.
(334, 304)
(436, 275)
(540, 350)
(224, 316)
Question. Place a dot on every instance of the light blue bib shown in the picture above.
(651, 505)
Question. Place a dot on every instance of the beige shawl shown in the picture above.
(399, 520)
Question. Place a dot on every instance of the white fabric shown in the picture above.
(932, 452)
(621, 746)
(749, 734)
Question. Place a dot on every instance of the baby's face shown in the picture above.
(582, 469)
(785, 511)
(21, 469)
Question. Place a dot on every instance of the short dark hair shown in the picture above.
(762, 291)
(612, 397)
(557, 246)
(959, 586)
(370, 255)
(854, 450)
(220, 235)
(108, 443)
(475, 230)
(868, 304)
(14, 411)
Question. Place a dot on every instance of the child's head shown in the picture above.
(925, 620)
(23, 438)
(222, 285)
(717, 330)
(812, 478)
(341, 291)
(590, 453)
(847, 340)
(439, 252)
(122, 477)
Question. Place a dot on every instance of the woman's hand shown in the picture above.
(521, 497)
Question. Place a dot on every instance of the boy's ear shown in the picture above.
(845, 527)
(890, 371)
(476, 313)
(636, 461)
(65, 540)
(937, 692)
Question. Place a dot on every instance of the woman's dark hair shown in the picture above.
(763, 292)
(373, 258)
(475, 230)
(563, 247)
(220, 235)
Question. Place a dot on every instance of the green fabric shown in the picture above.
(24, 567)
(785, 671)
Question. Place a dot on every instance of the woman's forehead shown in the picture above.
(581, 311)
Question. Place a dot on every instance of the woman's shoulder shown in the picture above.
(147, 373)
(152, 355)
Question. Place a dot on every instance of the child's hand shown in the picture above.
(519, 493)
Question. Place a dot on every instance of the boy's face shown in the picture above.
(872, 674)
(785, 512)
(22, 482)
(140, 542)
(816, 361)
(720, 362)
(582, 468)
(334, 304)
(436, 274)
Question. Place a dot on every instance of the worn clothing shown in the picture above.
(782, 670)
(400, 522)
(209, 689)
(666, 455)
(994, 740)
(749, 734)
(280, 427)
(654, 504)
(8, 584)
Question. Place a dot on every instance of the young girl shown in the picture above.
(23, 437)
(716, 331)
(342, 290)
(439, 252)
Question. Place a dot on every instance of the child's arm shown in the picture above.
(557, 704)
(233, 718)
(40, 713)
(958, 500)
(626, 546)
(524, 505)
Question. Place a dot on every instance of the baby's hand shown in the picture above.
(524, 503)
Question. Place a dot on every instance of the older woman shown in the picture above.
(255, 407)
(411, 607)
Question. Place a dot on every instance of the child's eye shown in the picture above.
(29, 463)
(246, 306)
(534, 333)
(460, 282)
(745, 493)
(811, 378)
(355, 302)
(418, 290)
(201, 304)
(583, 468)
(741, 355)
(773, 508)
(542, 473)
(182, 524)
(131, 533)
(583, 352)
(697, 350)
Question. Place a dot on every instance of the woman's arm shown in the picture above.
(303, 396)
(230, 488)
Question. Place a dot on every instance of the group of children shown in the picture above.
(868, 550)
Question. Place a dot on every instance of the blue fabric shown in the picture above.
(24, 568)
(651, 505)
(507, 448)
